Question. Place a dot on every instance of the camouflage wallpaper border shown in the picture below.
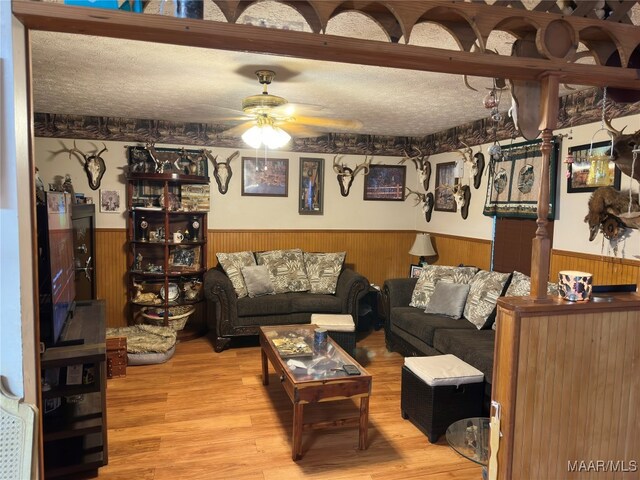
(575, 109)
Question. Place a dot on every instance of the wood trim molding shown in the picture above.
(225, 36)
(600, 258)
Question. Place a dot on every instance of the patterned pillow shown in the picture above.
(232, 264)
(323, 270)
(286, 269)
(520, 286)
(432, 274)
(486, 287)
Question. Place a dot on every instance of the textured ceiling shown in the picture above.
(87, 75)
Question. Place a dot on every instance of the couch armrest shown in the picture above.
(396, 292)
(222, 299)
(351, 287)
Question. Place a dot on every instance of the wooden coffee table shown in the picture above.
(320, 379)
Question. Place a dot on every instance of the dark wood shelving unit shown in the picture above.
(166, 275)
(75, 433)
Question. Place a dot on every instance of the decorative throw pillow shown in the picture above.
(448, 299)
(485, 289)
(286, 270)
(323, 270)
(431, 275)
(520, 286)
(257, 281)
(232, 264)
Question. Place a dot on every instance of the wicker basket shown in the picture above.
(178, 316)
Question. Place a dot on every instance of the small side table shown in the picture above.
(370, 310)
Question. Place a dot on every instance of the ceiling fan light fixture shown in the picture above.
(265, 134)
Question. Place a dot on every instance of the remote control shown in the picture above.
(351, 369)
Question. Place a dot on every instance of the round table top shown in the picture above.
(470, 438)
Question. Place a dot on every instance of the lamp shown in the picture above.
(265, 133)
(422, 247)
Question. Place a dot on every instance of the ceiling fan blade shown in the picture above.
(324, 122)
(293, 109)
(219, 111)
(238, 130)
(300, 131)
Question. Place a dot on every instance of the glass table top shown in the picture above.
(295, 346)
(470, 438)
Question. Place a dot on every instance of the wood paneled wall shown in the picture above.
(111, 274)
(454, 250)
(605, 270)
(377, 254)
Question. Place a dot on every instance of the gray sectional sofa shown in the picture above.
(411, 331)
(230, 316)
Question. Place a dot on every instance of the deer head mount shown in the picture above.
(346, 175)
(222, 170)
(427, 202)
(423, 166)
(475, 161)
(477, 168)
(94, 165)
(623, 145)
(462, 196)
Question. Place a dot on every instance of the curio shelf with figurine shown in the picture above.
(168, 202)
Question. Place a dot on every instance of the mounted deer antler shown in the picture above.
(462, 196)
(346, 175)
(222, 170)
(94, 165)
(427, 202)
(423, 166)
(623, 145)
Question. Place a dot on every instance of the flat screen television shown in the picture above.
(56, 266)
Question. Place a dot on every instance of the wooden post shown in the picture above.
(541, 253)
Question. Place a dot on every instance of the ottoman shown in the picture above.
(340, 328)
(439, 390)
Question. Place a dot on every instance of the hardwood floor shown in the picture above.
(206, 415)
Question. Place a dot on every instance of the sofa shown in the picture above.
(411, 331)
(298, 285)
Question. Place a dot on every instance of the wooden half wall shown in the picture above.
(377, 254)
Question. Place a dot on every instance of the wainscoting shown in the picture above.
(605, 270)
(377, 254)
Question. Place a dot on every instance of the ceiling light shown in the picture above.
(267, 134)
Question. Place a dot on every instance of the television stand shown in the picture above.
(74, 420)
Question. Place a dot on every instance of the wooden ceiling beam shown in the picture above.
(225, 36)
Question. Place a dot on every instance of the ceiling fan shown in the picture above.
(271, 120)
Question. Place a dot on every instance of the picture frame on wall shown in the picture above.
(385, 182)
(311, 196)
(110, 201)
(415, 271)
(265, 177)
(580, 176)
(445, 180)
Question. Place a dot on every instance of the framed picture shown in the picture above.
(444, 200)
(311, 197)
(415, 271)
(183, 259)
(110, 201)
(266, 177)
(582, 178)
(385, 182)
